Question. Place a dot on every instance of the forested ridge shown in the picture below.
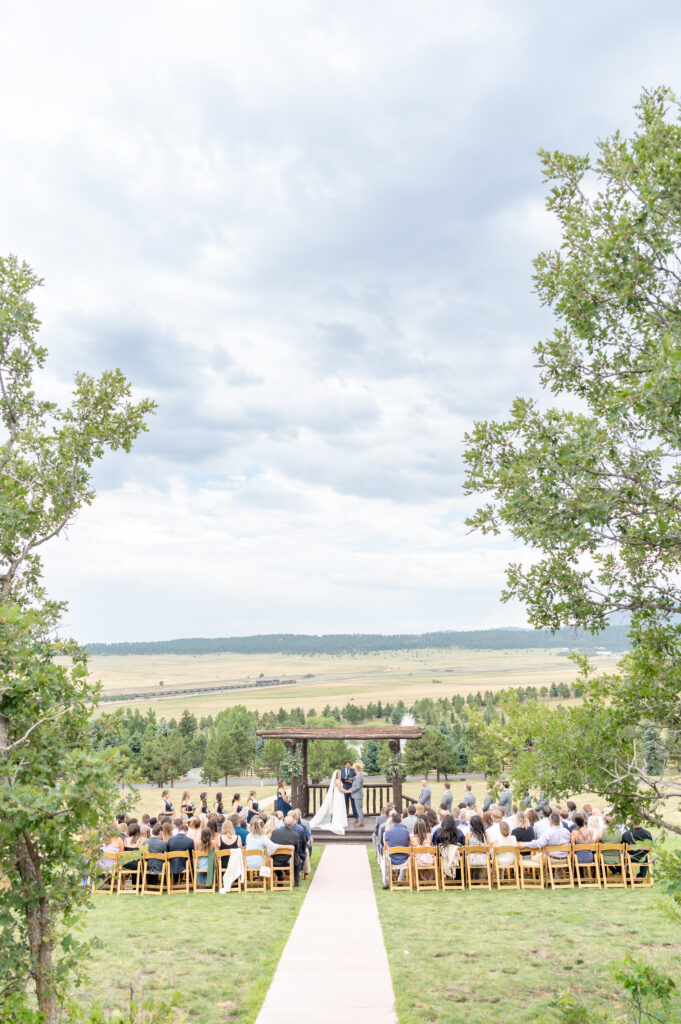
(614, 638)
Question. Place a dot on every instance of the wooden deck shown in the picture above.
(352, 834)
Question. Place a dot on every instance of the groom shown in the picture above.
(357, 794)
(347, 775)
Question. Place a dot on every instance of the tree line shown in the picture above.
(614, 638)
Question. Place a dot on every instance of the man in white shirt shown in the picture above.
(544, 822)
(554, 835)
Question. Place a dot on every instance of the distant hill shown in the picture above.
(614, 638)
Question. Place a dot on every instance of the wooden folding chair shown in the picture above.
(283, 874)
(254, 881)
(559, 869)
(532, 875)
(184, 877)
(459, 879)
(511, 872)
(394, 870)
(420, 872)
(205, 885)
(153, 881)
(614, 876)
(484, 879)
(633, 867)
(222, 861)
(106, 882)
(588, 875)
(129, 876)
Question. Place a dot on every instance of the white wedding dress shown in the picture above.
(332, 816)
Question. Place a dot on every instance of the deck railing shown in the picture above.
(376, 796)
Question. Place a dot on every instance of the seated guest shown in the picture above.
(572, 807)
(397, 835)
(449, 840)
(544, 822)
(270, 825)
(505, 838)
(487, 819)
(523, 831)
(300, 829)
(410, 818)
(146, 820)
(565, 819)
(610, 834)
(286, 835)
(167, 830)
(462, 822)
(631, 836)
(435, 831)
(431, 819)
(145, 832)
(229, 840)
(380, 820)
(186, 804)
(380, 829)
(532, 818)
(421, 837)
(166, 803)
(447, 797)
(476, 836)
(180, 841)
(554, 835)
(257, 840)
(157, 844)
(581, 833)
(497, 816)
(204, 849)
(281, 803)
(238, 825)
(252, 806)
(152, 821)
(419, 809)
(595, 821)
(194, 830)
(112, 843)
(132, 840)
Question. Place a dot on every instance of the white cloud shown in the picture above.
(305, 230)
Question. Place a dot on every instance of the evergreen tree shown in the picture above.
(371, 757)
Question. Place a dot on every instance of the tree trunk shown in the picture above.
(39, 927)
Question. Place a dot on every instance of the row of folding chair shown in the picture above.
(481, 867)
(130, 873)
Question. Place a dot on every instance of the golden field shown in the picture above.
(385, 676)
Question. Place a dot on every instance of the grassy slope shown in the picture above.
(476, 957)
(218, 953)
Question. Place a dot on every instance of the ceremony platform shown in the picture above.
(352, 835)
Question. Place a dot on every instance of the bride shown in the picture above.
(332, 815)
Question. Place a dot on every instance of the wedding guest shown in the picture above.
(462, 822)
(287, 836)
(380, 828)
(145, 832)
(487, 819)
(229, 840)
(497, 815)
(610, 834)
(194, 830)
(572, 807)
(299, 828)
(554, 835)
(238, 826)
(409, 820)
(632, 836)
(523, 831)
(203, 849)
(582, 834)
(166, 803)
(397, 835)
(252, 806)
(505, 838)
(421, 837)
(544, 823)
(449, 842)
(146, 820)
(112, 844)
(157, 844)
(281, 803)
(270, 825)
(476, 836)
(178, 843)
(257, 840)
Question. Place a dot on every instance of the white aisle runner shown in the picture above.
(334, 968)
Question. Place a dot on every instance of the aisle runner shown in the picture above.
(334, 968)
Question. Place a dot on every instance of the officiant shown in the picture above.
(347, 775)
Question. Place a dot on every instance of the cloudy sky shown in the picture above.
(304, 228)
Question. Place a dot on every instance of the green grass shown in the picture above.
(218, 953)
(476, 957)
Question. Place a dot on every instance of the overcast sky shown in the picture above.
(306, 230)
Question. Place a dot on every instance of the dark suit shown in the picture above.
(284, 836)
(179, 842)
(347, 775)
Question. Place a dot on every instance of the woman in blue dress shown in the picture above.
(281, 803)
(253, 807)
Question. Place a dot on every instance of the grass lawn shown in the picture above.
(476, 957)
(218, 952)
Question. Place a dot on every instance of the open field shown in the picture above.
(475, 956)
(386, 676)
(218, 953)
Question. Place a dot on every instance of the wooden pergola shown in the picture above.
(292, 736)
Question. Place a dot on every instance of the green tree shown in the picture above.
(188, 724)
(594, 485)
(653, 750)
(371, 757)
(272, 754)
(54, 785)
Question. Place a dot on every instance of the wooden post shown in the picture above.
(291, 746)
(304, 795)
(397, 779)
